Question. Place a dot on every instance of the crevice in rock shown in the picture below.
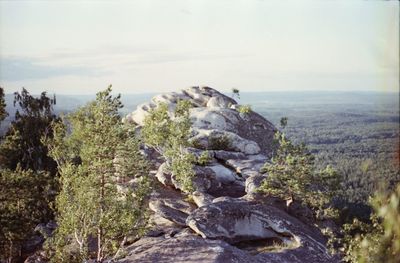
(226, 165)
(266, 245)
(195, 102)
(233, 189)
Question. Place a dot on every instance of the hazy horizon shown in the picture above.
(226, 92)
(80, 47)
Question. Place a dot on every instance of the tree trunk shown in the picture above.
(11, 252)
(100, 228)
(99, 250)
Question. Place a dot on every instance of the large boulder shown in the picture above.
(184, 249)
(238, 221)
(248, 166)
(169, 207)
(224, 140)
(234, 230)
(250, 133)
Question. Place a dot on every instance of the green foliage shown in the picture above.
(22, 144)
(96, 159)
(292, 175)
(204, 158)
(219, 142)
(169, 135)
(244, 109)
(27, 174)
(379, 242)
(182, 168)
(283, 122)
(25, 199)
(3, 113)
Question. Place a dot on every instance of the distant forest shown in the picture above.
(356, 133)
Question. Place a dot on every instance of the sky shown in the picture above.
(80, 47)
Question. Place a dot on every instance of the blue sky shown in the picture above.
(79, 47)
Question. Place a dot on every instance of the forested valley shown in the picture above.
(356, 133)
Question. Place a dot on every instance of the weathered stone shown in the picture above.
(162, 224)
(163, 176)
(203, 118)
(227, 155)
(198, 95)
(203, 181)
(182, 249)
(223, 174)
(241, 220)
(218, 102)
(201, 199)
(234, 189)
(169, 98)
(248, 165)
(218, 180)
(140, 113)
(223, 140)
(169, 204)
(167, 212)
(253, 183)
(211, 112)
(301, 212)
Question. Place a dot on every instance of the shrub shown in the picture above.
(204, 158)
(219, 142)
(244, 109)
(379, 242)
(169, 135)
(292, 175)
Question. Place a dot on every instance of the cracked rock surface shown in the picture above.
(225, 220)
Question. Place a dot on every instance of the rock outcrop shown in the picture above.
(215, 117)
(225, 220)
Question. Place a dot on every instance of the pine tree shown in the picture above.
(96, 159)
(292, 175)
(169, 135)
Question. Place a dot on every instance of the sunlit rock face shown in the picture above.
(214, 115)
(225, 220)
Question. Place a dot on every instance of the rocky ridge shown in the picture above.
(226, 220)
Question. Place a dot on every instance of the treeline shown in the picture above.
(361, 141)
